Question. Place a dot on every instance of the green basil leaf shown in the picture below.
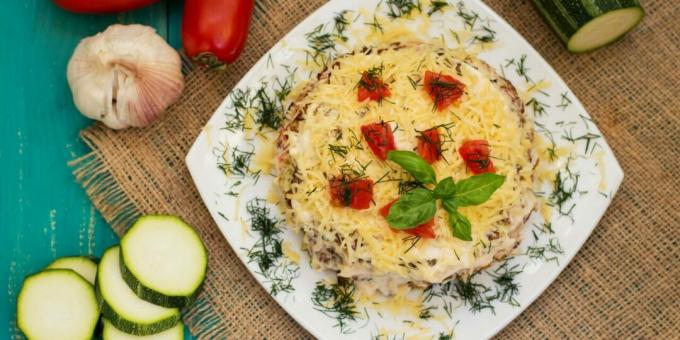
(446, 188)
(414, 164)
(477, 189)
(412, 209)
(449, 205)
(460, 226)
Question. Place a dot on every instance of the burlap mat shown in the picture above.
(622, 284)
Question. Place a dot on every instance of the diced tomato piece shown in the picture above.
(425, 230)
(429, 145)
(356, 194)
(372, 87)
(379, 138)
(475, 153)
(443, 89)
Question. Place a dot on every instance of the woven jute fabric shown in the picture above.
(622, 284)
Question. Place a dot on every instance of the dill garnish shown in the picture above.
(339, 150)
(564, 100)
(406, 186)
(241, 102)
(537, 106)
(355, 141)
(415, 83)
(340, 24)
(469, 17)
(473, 294)
(401, 8)
(336, 301)
(506, 287)
(565, 186)
(520, 67)
(267, 252)
(375, 24)
(413, 239)
(240, 162)
(548, 252)
(268, 110)
(426, 313)
(436, 6)
(588, 137)
(320, 41)
(488, 35)
(445, 336)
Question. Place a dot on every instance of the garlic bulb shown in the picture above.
(125, 76)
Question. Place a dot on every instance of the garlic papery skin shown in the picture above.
(125, 76)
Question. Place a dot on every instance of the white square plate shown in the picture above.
(542, 256)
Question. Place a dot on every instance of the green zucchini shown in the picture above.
(585, 25)
(112, 333)
(163, 260)
(82, 265)
(57, 304)
(122, 307)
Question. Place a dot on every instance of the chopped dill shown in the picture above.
(339, 150)
(376, 26)
(415, 83)
(320, 41)
(310, 192)
(545, 228)
(241, 102)
(355, 141)
(268, 111)
(336, 301)
(223, 216)
(413, 240)
(488, 35)
(564, 100)
(445, 336)
(506, 286)
(426, 313)
(437, 6)
(520, 67)
(473, 294)
(548, 252)
(340, 24)
(588, 137)
(469, 17)
(564, 187)
(267, 252)
(240, 162)
(354, 173)
(537, 106)
(401, 8)
(406, 186)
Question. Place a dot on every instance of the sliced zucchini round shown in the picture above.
(586, 25)
(163, 260)
(112, 333)
(82, 265)
(122, 307)
(57, 304)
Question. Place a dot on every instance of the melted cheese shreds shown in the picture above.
(334, 116)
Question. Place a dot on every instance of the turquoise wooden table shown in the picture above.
(44, 214)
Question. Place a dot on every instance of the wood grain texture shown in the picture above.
(44, 214)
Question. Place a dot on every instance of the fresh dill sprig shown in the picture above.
(537, 107)
(339, 150)
(520, 67)
(268, 109)
(506, 286)
(401, 8)
(469, 17)
(320, 41)
(375, 25)
(426, 312)
(475, 295)
(355, 141)
(340, 24)
(588, 137)
(564, 100)
(565, 185)
(240, 162)
(352, 172)
(415, 83)
(445, 336)
(241, 101)
(488, 35)
(548, 252)
(436, 6)
(267, 251)
(406, 186)
(336, 301)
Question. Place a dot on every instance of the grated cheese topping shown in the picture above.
(359, 243)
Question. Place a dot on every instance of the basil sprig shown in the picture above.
(420, 205)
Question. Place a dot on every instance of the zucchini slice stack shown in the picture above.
(139, 287)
